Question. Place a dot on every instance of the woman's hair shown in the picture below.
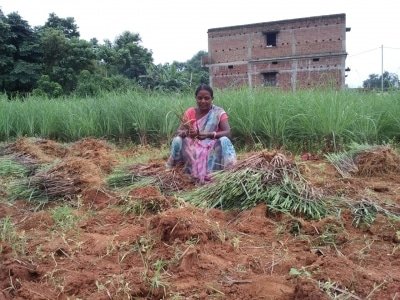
(204, 87)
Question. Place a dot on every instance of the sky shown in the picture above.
(175, 30)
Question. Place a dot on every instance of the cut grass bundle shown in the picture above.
(9, 167)
(365, 160)
(121, 178)
(297, 198)
(265, 177)
(240, 189)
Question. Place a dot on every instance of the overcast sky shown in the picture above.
(177, 29)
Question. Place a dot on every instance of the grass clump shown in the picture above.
(366, 211)
(64, 217)
(9, 235)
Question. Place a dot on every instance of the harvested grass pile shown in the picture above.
(63, 180)
(97, 151)
(365, 160)
(266, 177)
(154, 174)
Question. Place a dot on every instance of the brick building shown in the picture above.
(290, 54)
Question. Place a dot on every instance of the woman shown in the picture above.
(202, 140)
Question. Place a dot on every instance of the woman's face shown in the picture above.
(204, 100)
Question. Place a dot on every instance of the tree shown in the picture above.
(177, 76)
(167, 77)
(65, 58)
(20, 56)
(374, 81)
(125, 56)
(198, 73)
(6, 51)
(46, 87)
(66, 25)
(131, 59)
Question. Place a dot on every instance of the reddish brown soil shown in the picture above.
(171, 250)
(97, 151)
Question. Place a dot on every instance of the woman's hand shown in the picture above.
(187, 133)
(182, 133)
(206, 135)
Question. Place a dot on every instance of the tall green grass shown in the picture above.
(272, 118)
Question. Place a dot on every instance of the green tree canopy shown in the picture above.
(125, 56)
(53, 60)
(66, 25)
(374, 81)
(20, 55)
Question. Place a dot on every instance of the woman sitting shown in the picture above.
(202, 142)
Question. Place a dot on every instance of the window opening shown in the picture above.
(230, 67)
(271, 38)
(315, 59)
(270, 78)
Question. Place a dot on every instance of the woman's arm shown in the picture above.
(224, 130)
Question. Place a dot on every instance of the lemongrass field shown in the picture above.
(258, 117)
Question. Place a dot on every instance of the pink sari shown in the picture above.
(201, 157)
(198, 151)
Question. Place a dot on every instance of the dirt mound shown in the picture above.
(254, 221)
(184, 224)
(151, 199)
(39, 220)
(52, 148)
(308, 289)
(98, 152)
(381, 160)
(98, 198)
(39, 151)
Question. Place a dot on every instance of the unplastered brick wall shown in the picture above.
(307, 45)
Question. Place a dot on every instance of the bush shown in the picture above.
(46, 87)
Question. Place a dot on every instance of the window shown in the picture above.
(230, 67)
(270, 38)
(315, 59)
(270, 78)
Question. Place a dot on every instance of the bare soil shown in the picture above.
(147, 243)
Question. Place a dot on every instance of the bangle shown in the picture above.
(214, 135)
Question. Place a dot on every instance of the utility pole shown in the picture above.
(382, 69)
